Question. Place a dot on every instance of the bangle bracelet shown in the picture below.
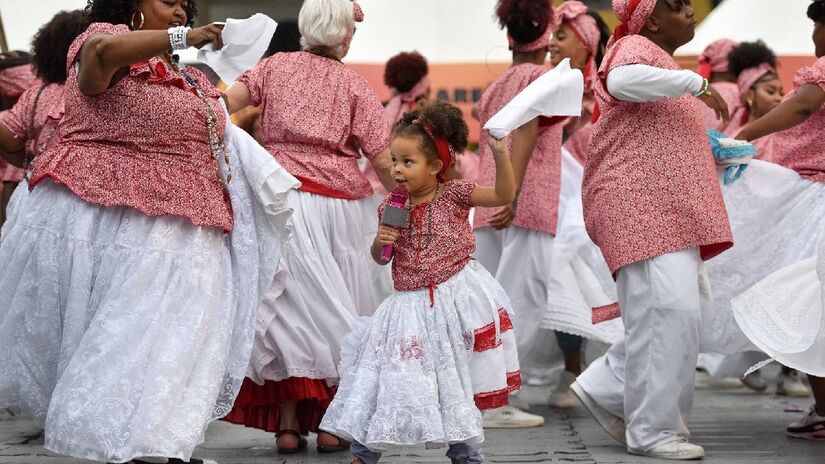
(177, 37)
(705, 90)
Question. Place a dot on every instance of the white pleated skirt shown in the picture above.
(125, 334)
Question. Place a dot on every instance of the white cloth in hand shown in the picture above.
(244, 43)
(556, 93)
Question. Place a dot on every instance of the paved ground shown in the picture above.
(734, 426)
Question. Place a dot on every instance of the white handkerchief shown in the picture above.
(244, 43)
(556, 93)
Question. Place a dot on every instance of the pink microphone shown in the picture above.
(395, 215)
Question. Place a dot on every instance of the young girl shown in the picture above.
(441, 347)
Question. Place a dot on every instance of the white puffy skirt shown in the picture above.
(325, 283)
(127, 334)
(579, 281)
(415, 374)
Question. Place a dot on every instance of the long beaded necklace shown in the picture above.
(216, 144)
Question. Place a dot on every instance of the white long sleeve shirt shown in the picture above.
(640, 83)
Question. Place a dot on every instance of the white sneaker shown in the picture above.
(562, 397)
(509, 417)
(704, 381)
(791, 385)
(810, 427)
(613, 425)
(518, 402)
(679, 450)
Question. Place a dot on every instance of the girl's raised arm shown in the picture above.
(505, 187)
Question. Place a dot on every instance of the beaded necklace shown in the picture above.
(216, 144)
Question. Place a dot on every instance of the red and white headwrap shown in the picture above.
(358, 13)
(749, 77)
(445, 151)
(573, 13)
(632, 14)
(715, 57)
(542, 42)
(406, 101)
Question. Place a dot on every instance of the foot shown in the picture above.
(704, 381)
(289, 441)
(509, 417)
(612, 424)
(809, 427)
(755, 382)
(518, 402)
(562, 397)
(329, 443)
(676, 450)
(790, 384)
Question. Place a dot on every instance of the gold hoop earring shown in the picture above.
(750, 103)
(132, 22)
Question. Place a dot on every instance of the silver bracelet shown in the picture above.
(177, 37)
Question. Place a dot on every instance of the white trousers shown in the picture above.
(648, 378)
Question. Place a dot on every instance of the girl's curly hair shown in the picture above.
(445, 121)
(51, 44)
(121, 11)
(525, 20)
(404, 70)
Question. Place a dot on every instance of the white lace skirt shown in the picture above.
(415, 374)
(127, 334)
(325, 283)
(579, 280)
(776, 217)
(381, 275)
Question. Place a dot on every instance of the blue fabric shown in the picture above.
(568, 343)
(733, 172)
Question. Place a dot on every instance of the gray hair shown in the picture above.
(326, 23)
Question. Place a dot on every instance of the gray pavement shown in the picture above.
(734, 426)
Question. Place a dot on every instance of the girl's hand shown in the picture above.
(386, 236)
(200, 36)
(499, 147)
(715, 102)
(503, 218)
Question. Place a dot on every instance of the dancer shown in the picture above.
(793, 293)
(654, 229)
(132, 276)
(578, 279)
(714, 66)
(16, 76)
(441, 346)
(515, 242)
(30, 128)
(317, 116)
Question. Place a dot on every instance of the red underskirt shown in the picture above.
(257, 405)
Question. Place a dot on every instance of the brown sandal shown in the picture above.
(341, 445)
(302, 442)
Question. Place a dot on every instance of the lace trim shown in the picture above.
(499, 398)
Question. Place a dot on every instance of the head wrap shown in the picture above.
(358, 13)
(542, 42)
(749, 77)
(403, 102)
(715, 57)
(445, 151)
(632, 14)
(574, 14)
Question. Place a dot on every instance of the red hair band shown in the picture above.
(445, 152)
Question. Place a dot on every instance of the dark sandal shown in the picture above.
(302, 442)
(342, 445)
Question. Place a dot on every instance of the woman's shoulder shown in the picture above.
(811, 74)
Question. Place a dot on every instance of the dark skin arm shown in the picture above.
(105, 57)
(524, 142)
(793, 111)
(11, 148)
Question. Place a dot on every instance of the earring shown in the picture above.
(750, 103)
(132, 22)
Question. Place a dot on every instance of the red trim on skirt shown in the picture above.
(257, 405)
(485, 338)
(499, 398)
(606, 313)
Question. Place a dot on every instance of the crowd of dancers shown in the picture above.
(347, 267)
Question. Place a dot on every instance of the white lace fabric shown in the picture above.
(124, 334)
(407, 373)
